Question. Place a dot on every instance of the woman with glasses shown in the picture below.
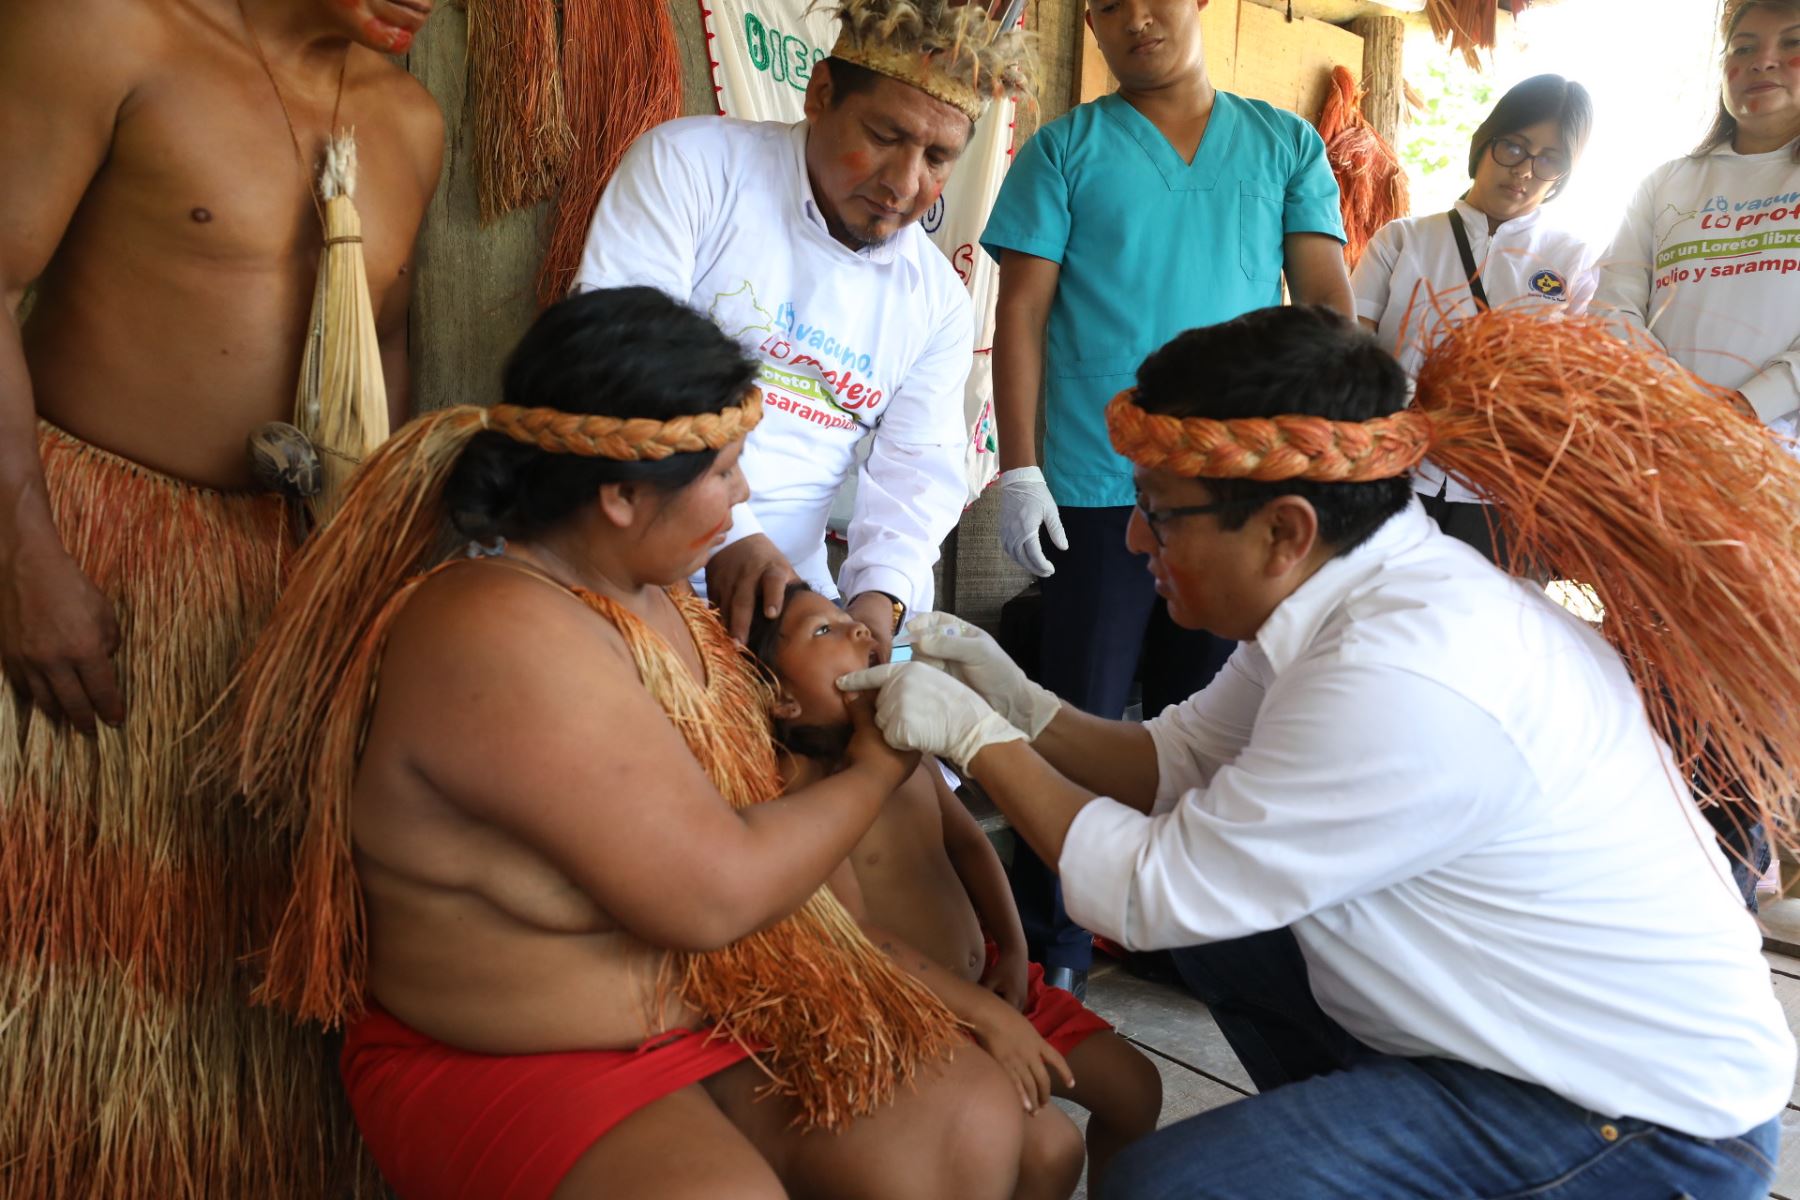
(1707, 263)
(1490, 250)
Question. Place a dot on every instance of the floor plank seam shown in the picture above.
(1200, 1071)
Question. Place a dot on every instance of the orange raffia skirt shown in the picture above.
(130, 1064)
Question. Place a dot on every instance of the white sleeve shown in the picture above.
(911, 490)
(1373, 278)
(1626, 269)
(647, 227)
(1355, 778)
(1195, 738)
(1774, 391)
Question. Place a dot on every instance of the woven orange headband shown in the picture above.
(1269, 449)
(634, 439)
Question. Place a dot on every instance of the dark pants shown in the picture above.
(1103, 625)
(1336, 1118)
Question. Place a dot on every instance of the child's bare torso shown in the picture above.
(909, 885)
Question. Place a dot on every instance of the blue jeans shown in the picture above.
(1379, 1127)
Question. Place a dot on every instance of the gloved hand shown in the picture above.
(1025, 505)
(921, 708)
(970, 656)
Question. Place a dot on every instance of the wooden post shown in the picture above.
(1386, 91)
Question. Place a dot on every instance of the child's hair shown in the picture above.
(825, 743)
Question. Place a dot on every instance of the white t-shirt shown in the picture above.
(719, 213)
(1708, 260)
(1411, 280)
(1447, 786)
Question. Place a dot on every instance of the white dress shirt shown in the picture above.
(1447, 786)
(1411, 279)
(719, 213)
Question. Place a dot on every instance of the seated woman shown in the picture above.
(541, 863)
(1493, 249)
(926, 872)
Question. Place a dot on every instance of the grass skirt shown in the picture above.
(130, 1064)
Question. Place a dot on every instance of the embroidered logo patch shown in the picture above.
(1550, 286)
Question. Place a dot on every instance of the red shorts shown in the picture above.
(1057, 1015)
(446, 1124)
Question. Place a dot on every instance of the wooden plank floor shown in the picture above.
(1200, 1072)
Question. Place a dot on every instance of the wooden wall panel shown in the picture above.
(1288, 63)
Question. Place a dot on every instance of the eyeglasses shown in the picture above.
(1156, 518)
(1549, 166)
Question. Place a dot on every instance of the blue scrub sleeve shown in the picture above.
(1031, 214)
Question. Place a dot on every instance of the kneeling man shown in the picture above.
(1477, 939)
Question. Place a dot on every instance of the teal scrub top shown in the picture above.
(1149, 246)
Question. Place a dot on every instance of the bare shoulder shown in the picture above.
(409, 106)
(81, 47)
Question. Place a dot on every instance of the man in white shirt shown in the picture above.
(1513, 942)
(803, 242)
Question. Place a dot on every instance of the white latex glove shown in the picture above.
(921, 708)
(1025, 505)
(969, 655)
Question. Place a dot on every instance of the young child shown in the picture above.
(928, 876)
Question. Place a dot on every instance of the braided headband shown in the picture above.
(915, 69)
(634, 439)
(1269, 449)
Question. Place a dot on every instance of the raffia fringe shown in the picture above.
(129, 1063)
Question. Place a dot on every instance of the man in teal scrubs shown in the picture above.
(1164, 206)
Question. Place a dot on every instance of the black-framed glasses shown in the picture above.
(1549, 166)
(1156, 518)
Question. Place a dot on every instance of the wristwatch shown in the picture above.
(899, 610)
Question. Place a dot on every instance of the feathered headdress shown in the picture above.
(962, 54)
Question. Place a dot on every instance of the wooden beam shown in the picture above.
(1385, 98)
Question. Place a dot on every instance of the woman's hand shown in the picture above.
(1008, 977)
(1027, 1057)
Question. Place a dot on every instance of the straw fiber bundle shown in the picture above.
(1611, 465)
(622, 76)
(1371, 183)
(839, 1027)
(1468, 26)
(131, 892)
(341, 405)
(522, 138)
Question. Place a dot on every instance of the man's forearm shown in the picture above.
(25, 518)
(1107, 758)
(1018, 381)
(1039, 803)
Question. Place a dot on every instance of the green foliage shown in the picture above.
(1434, 142)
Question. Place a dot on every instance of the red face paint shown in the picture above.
(391, 38)
(1793, 64)
(721, 527)
(1732, 73)
(855, 160)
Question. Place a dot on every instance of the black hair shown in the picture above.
(620, 352)
(1531, 102)
(848, 79)
(824, 743)
(1304, 359)
(1723, 131)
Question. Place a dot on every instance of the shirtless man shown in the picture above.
(160, 211)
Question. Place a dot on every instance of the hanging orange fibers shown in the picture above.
(522, 141)
(621, 74)
(1616, 468)
(1372, 186)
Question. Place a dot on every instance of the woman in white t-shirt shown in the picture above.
(1707, 262)
(1491, 250)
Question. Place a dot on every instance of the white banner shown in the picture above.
(762, 54)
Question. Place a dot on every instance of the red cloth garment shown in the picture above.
(447, 1124)
(1056, 1014)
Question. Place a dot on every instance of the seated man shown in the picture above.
(926, 872)
(1509, 926)
(489, 722)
